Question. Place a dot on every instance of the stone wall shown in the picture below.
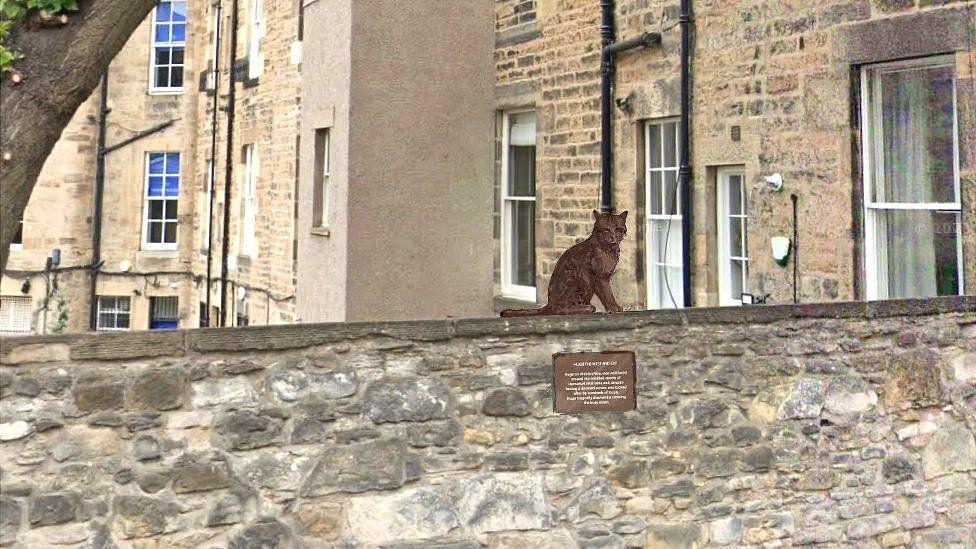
(848, 424)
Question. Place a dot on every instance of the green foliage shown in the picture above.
(12, 10)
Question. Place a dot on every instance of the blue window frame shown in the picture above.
(168, 47)
(162, 200)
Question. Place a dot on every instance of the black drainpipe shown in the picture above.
(684, 146)
(609, 50)
(213, 156)
(229, 162)
(606, 124)
(97, 204)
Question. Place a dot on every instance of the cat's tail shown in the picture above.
(508, 313)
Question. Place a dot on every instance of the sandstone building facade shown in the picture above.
(154, 245)
(417, 172)
(861, 109)
(864, 108)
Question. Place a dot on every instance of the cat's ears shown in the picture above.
(622, 215)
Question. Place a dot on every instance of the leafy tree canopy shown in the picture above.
(11, 10)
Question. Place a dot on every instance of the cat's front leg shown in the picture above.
(605, 294)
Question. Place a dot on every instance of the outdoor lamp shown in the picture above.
(781, 249)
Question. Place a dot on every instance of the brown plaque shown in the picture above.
(595, 382)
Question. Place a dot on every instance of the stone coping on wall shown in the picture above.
(143, 344)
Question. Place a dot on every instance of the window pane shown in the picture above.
(922, 253)
(179, 32)
(170, 233)
(106, 320)
(668, 241)
(171, 209)
(122, 320)
(655, 146)
(155, 232)
(671, 199)
(172, 163)
(918, 110)
(179, 11)
(670, 294)
(522, 130)
(522, 173)
(735, 194)
(162, 33)
(655, 194)
(176, 77)
(735, 282)
(162, 77)
(670, 145)
(172, 186)
(156, 209)
(155, 187)
(735, 237)
(162, 57)
(122, 304)
(523, 243)
(176, 58)
(164, 12)
(156, 163)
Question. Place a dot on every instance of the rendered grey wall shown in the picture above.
(321, 292)
(420, 181)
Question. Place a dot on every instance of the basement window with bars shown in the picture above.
(113, 313)
(518, 205)
(15, 315)
(162, 201)
(665, 280)
(167, 58)
(912, 205)
(164, 313)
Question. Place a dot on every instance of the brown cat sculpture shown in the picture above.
(584, 270)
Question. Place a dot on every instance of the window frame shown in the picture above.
(249, 208)
(510, 290)
(256, 31)
(651, 219)
(323, 176)
(146, 199)
(153, 44)
(725, 257)
(871, 148)
(115, 311)
(152, 312)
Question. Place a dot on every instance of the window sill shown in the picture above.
(321, 231)
(500, 303)
(166, 91)
(525, 294)
(16, 247)
(164, 249)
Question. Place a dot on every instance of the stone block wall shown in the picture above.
(847, 424)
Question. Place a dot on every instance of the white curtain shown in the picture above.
(906, 110)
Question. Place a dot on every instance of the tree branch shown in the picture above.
(59, 70)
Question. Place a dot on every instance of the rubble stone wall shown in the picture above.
(849, 424)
